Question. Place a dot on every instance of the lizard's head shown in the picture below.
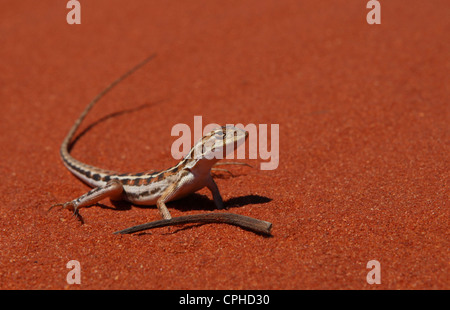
(219, 142)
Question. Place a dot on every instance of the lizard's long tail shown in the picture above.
(64, 150)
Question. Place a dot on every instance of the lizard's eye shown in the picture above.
(220, 134)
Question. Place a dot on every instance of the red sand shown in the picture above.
(364, 141)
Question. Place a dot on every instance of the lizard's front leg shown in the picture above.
(212, 186)
(183, 181)
(112, 189)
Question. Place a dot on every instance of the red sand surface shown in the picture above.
(364, 141)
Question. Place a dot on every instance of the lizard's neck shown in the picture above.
(200, 166)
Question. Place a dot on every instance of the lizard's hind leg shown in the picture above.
(113, 189)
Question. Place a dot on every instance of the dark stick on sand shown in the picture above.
(248, 223)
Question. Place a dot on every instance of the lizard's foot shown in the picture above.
(232, 163)
(70, 205)
(228, 163)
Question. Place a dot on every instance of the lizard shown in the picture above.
(189, 175)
